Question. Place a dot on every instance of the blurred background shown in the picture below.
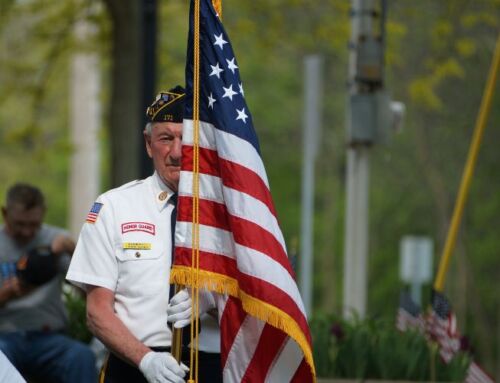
(75, 76)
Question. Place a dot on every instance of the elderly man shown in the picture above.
(123, 260)
(33, 258)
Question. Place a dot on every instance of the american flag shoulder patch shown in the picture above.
(94, 212)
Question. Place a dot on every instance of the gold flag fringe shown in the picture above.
(223, 284)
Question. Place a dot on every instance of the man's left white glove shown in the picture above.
(161, 367)
(180, 307)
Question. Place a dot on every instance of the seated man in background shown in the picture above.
(33, 260)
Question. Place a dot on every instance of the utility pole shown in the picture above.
(365, 121)
(311, 128)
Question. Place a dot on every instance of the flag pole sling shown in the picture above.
(468, 170)
(195, 253)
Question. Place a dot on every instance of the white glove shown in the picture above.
(161, 367)
(180, 306)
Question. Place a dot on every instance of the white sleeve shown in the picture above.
(8, 372)
(94, 261)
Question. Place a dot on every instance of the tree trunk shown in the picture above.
(125, 118)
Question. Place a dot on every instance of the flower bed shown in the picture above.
(375, 349)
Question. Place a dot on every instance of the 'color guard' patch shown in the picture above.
(94, 212)
(138, 226)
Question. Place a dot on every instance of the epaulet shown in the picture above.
(126, 186)
(130, 184)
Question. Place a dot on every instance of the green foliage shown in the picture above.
(75, 305)
(374, 349)
(437, 57)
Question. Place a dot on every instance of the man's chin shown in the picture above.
(171, 179)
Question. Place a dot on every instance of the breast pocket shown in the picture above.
(143, 268)
(135, 252)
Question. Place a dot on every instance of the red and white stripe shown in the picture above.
(475, 374)
(406, 321)
(445, 333)
(240, 239)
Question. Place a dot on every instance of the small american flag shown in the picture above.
(264, 330)
(442, 328)
(94, 212)
(476, 374)
(409, 315)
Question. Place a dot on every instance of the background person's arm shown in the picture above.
(13, 288)
(63, 244)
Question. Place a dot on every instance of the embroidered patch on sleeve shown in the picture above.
(94, 212)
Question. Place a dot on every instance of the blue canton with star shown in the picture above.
(222, 101)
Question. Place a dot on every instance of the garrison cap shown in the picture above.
(168, 106)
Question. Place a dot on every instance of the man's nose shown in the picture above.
(176, 150)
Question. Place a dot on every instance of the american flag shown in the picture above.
(476, 374)
(264, 331)
(442, 328)
(94, 212)
(409, 315)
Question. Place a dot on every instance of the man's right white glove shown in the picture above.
(180, 307)
(161, 367)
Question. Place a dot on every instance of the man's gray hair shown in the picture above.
(149, 128)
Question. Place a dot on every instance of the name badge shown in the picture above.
(136, 246)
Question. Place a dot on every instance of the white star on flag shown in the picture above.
(231, 65)
(211, 101)
(219, 41)
(229, 92)
(240, 85)
(263, 323)
(216, 70)
(242, 115)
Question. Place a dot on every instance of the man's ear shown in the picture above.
(147, 141)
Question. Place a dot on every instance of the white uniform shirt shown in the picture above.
(126, 248)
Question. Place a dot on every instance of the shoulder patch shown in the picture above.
(94, 212)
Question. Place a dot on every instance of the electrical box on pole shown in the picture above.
(370, 60)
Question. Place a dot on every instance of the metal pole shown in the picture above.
(357, 185)
(311, 129)
(356, 233)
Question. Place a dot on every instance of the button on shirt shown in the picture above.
(126, 248)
